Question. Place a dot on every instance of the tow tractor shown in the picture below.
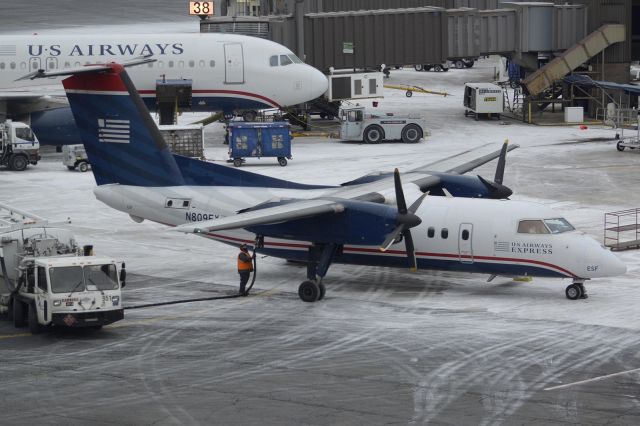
(19, 147)
(358, 125)
(47, 280)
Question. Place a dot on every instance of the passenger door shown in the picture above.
(233, 64)
(465, 246)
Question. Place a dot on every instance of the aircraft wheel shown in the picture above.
(83, 166)
(237, 162)
(573, 292)
(18, 314)
(18, 163)
(309, 291)
(619, 147)
(373, 134)
(32, 319)
(459, 64)
(409, 94)
(411, 133)
(418, 67)
(323, 291)
(282, 161)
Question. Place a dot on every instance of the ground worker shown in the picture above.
(245, 266)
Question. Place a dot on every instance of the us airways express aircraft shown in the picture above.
(361, 222)
(229, 73)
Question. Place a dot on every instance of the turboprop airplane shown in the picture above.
(229, 73)
(362, 222)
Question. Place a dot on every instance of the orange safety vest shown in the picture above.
(244, 266)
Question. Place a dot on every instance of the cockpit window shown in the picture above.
(532, 227)
(295, 59)
(273, 61)
(284, 60)
(558, 225)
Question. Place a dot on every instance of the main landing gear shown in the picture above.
(320, 258)
(576, 290)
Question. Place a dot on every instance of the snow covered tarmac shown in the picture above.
(385, 346)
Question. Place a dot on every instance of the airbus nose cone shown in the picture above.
(319, 83)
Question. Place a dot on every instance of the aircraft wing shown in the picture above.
(298, 209)
(425, 177)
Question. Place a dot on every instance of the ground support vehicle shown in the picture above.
(259, 140)
(19, 147)
(436, 67)
(75, 157)
(47, 280)
(483, 98)
(357, 125)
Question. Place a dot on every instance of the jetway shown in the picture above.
(367, 39)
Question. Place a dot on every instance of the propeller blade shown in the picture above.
(402, 204)
(502, 161)
(411, 251)
(417, 203)
(391, 238)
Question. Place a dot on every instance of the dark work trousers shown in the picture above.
(244, 279)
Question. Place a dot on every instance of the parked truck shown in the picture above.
(358, 125)
(47, 280)
(19, 147)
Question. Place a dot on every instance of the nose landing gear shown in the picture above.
(576, 290)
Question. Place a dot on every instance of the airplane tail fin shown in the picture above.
(121, 139)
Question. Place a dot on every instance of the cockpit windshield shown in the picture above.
(558, 225)
(284, 60)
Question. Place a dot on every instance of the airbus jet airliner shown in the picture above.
(229, 73)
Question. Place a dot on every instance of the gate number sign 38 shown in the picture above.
(200, 8)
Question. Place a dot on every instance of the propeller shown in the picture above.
(496, 188)
(405, 220)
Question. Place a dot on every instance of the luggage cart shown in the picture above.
(259, 140)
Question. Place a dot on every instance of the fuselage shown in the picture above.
(457, 234)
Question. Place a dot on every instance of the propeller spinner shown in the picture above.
(405, 220)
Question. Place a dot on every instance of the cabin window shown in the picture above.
(532, 227)
(1, 65)
(558, 225)
(12, 65)
(284, 60)
(444, 234)
(192, 63)
(212, 63)
(431, 232)
(201, 63)
(23, 65)
(78, 64)
(181, 64)
(67, 64)
(171, 64)
(273, 61)
(160, 64)
(465, 234)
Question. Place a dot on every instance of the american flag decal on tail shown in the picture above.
(113, 131)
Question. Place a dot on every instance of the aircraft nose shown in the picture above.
(615, 266)
(319, 83)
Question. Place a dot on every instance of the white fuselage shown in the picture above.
(473, 235)
(229, 72)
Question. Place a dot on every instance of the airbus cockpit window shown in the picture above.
(284, 60)
(295, 59)
(273, 61)
(532, 227)
(558, 225)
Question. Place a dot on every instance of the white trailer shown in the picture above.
(19, 147)
(358, 125)
(483, 98)
(47, 280)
